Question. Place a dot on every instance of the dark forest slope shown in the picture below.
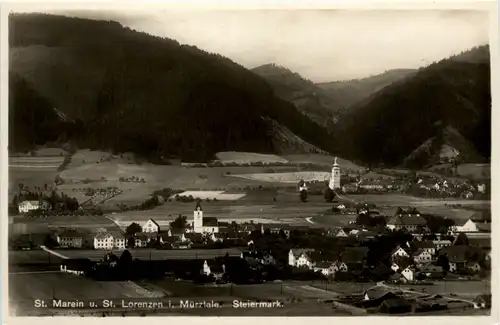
(135, 92)
(304, 94)
(350, 92)
(453, 93)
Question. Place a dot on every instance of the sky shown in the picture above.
(320, 45)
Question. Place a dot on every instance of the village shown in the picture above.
(409, 248)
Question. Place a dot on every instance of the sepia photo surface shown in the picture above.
(314, 162)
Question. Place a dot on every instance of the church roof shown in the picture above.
(198, 206)
(335, 164)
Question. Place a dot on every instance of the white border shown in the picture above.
(252, 5)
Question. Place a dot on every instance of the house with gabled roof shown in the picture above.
(341, 233)
(401, 263)
(421, 256)
(151, 226)
(377, 293)
(408, 273)
(478, 222)
(483, 301)
(300, 257)
(339, 266)
(409, 221)
(33, 205)
(441, 244)
(399, 252)
(426, 245)
(326, 268)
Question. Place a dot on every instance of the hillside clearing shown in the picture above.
(286, 177)
(324, 160)
(248, 157)
(204, 195)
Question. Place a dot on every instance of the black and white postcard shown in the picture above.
(280, 162)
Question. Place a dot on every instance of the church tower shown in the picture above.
(198, 219)
(335, 177)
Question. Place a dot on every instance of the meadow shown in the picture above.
(308, 176)
(287, 208)
(248, 157)
(211, 195)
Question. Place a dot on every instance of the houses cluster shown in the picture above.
(351, 259)
(422, 260)
(34, 205)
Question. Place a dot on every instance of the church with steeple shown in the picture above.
(335, 177)
(203, 225)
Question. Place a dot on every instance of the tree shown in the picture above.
(303, 196)
(133, 228)
(179, 223)
(131, 242)
(462, 240)
(125, 258)
(329, 195)
(443, 261)
(49, 241)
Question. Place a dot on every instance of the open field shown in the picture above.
(248, 157)
(219, 195)
(388, 203)
(476, 171)
(151, 254)
(406, 200)
(32, 257)
(35, 162)
(30, 177)
(319, 159)
(42, 152)
(157, 177)
(287, 207)
(286, 177)
(25, 225)
(331, 220)
(87, 157)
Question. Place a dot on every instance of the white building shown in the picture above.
(27, 206)
(408, 274)
(201, 225)
(335, 177)
(108, 241)
(299, 257)
(400, 253)
(151, 226)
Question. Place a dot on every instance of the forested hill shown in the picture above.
(135, 92)
(304, 94)
(453, 93)
(351, 92)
